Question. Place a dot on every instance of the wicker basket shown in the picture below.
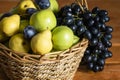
(60, 65)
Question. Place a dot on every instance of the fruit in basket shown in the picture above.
(43, 19)
(29, 32)
(43, 4)
(76, 39)
(41, 43)
(54, 6)
(10, 25)
(23, 24)
(62, 37)
(24, 5)
(18, 43)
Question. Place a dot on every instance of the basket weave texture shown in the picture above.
(60, 65)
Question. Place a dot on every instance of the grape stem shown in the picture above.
(82, 4)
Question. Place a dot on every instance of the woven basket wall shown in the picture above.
(60, 65)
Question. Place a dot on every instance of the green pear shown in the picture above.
(10, 25)
(76, 39)
(18, 43)
(41, 43)
(24, 5)
(54, 6)
(23, 24)
(62, 37)
(44, 19)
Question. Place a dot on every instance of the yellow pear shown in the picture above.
(41, 43)
(18, 43)
(24, 5)
(10, 25)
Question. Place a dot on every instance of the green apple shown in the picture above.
(23, 24)
(24, 5)
(62, 37)
(10, 25)
(42, 43)
(76, 39)
(54, 6)
(44, 19)
(18, 43)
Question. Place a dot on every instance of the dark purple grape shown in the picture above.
(29, 32)
(97, 25)
(96, 18)
(103, 13)
(96, 68)
(100, 46)
(96, 51)
(102, 20)
(110, 54)
(74, 28)
(89, 22)
(106, 42)
(108, 36)
(67, 8)
(94, 30)
(66, 14)
(98, 35)
(103, 27)
(75, 9)
(93, 42)
(78, 22)
(101, 62)
(88, 58)
(106, 18)
(90, 65)
(68, 20)
(88, 35)
(104, 55)
(87, 15)
(87, 52)
(101, 68)
(95, 10)
(80, 30)
(94, 58)
(30, 11)
(43, 4)
(108, 29)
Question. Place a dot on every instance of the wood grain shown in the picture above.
(112, 68)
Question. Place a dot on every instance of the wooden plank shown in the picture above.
(111, 72)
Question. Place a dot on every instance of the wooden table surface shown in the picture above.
(112, 67)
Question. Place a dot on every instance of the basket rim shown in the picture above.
(47, 58)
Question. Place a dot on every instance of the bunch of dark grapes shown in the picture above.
(92, 26)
